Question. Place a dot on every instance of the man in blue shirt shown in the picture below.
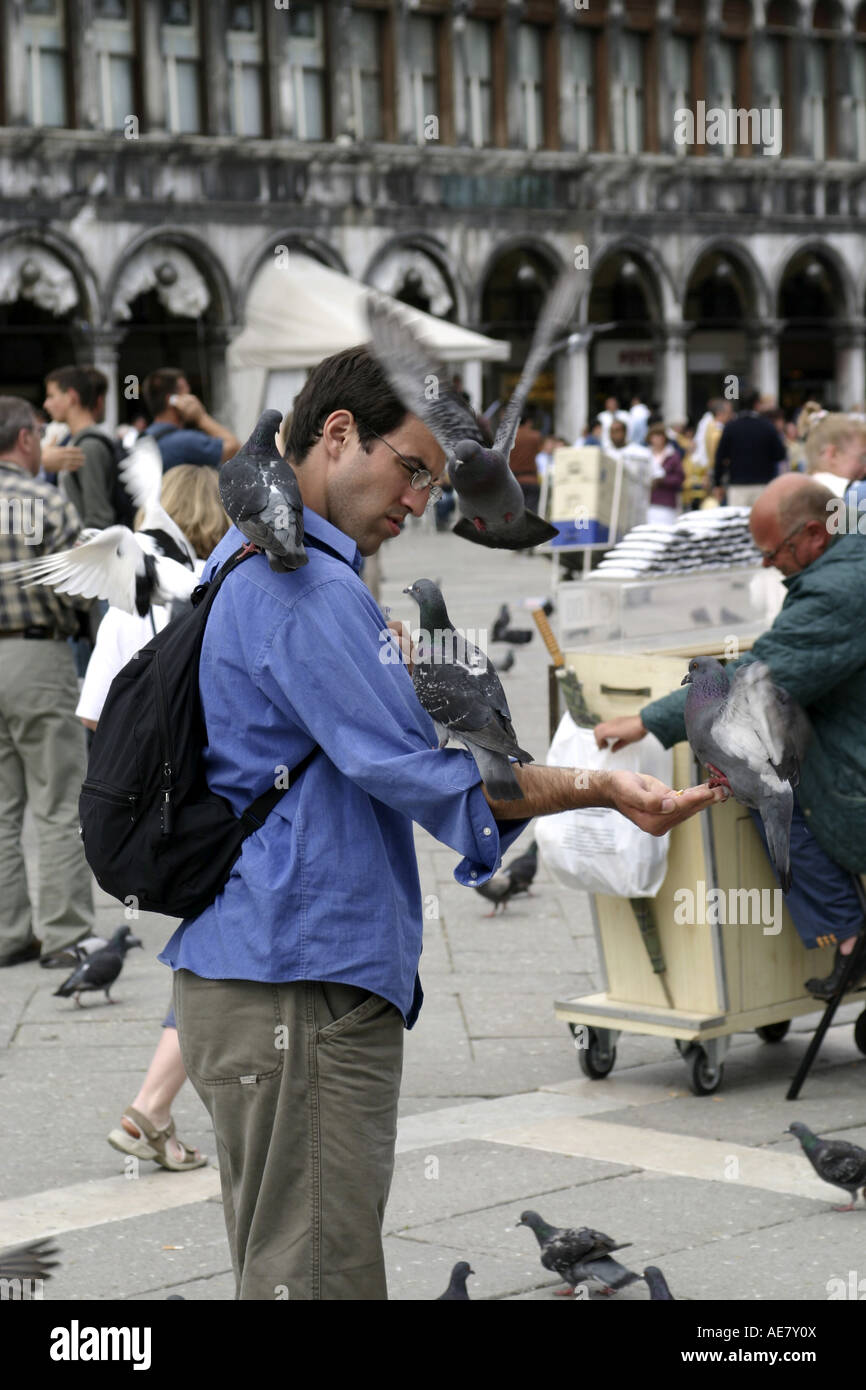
(181, 426)
(293, 988)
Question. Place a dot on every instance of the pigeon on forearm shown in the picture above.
(489, 496)
(752, 737)
(463, 695)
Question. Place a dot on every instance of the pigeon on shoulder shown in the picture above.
(456, 1290)
(752, 736)
(490, 498)
(260, 492)
(100, 970)
(835, 1160)
(463, 695)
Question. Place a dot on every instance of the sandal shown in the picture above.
(153, 1143)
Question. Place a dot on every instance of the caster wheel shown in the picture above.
(703, 1078)
(773, 1032)
(592, 1059)
(860, 1032)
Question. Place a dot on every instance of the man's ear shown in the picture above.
(337, 429)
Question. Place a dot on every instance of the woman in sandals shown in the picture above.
(190, 496)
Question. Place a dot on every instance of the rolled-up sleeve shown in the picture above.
(334, 670)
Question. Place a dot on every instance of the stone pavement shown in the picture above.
(495, 1116)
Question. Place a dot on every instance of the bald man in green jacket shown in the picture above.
(816, 651)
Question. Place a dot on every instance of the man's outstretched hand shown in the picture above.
(654, 807)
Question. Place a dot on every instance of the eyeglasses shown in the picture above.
(421, 477)
(768, 556)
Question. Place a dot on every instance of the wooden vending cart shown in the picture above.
(718, 978)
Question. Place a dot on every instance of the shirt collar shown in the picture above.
(319, 529)
(18, 467)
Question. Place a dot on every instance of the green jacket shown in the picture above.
(816, 650)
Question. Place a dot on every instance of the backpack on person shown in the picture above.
(124, 507)
(154, 835)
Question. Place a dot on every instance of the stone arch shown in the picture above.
(822, 251)
(385, 266)
(49, 246)
(763, 302)
(658, 277)
(295, 240)
(535, 246)
(142, 252)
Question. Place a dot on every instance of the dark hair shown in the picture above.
(350, 380)
(89, 383)
(16, 415)
(750, 400)
(158, 386)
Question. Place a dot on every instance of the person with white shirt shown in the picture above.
(835, 446)
(607, 416)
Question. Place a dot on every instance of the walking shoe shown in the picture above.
(28, 952)
(826, 988)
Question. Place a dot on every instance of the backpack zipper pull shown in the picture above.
(165, 810)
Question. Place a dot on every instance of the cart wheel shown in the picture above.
(774, 1032)
(681, 1047)
(592, 1060)
(860, 1032)
(703, 1078)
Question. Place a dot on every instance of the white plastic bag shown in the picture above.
(595, 849)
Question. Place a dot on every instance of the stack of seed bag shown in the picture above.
(716, 539)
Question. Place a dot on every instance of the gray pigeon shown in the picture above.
(752, 736)
(835, 1160)
(100, 970)
(456, 1290)
(72, 955)
(260, 492)
(490, 498)
(506, 663)
(577, 1255)
(463, 695)
(658, 1285)
(515, 878)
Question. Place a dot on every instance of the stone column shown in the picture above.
(841, 97)
(83, 73)
(215, 66)
(152, 70)
(764, 337)
(663, 28)
(851, 364)
(565, 77)
(100, 348)
(462, 126)
(513, 94)
(471, 374)
(800, 126)
(674, 371)
(339, 61)
(218, 338)
(281, 106)
(403, 76)
(616, 104)
(572, 387)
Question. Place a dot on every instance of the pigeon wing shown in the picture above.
(754, 701)
(100, 969)
(141, 474)
(555, 316)
(449, 696)
(409, 366)
(104, 567)
(842, 1163)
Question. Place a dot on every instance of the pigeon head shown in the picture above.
(537, 1223)
(123, 939)
(803, 1133)
(263, 435)
(707, 678)
(428, 597)
(461, 1270)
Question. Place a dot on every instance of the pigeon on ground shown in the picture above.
(835, 1160)
(752, 736)
(100, 970)
(29, 1262)
(456, 1290)
(506, 663)
(460, 690)
(658, 1285)
(515, 878)
(260, 492)
(577, 1254)
(489, 496)
(501, 623)
(72, 955)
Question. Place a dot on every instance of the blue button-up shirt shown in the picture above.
(328, 888)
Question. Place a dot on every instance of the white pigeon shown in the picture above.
(141, 474)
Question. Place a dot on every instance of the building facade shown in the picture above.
(705, 161)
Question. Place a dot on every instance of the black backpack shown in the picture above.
(124, 507)
(153, 832)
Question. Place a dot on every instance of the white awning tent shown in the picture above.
(302, 311)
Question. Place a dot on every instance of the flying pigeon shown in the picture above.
(141, 472)
(489, 496)
(751, 735)
(658, 1285)
(517, 636)
(515, 878)
(100, 970)
(835, 1160)
(460, 690)
(260, 492)
(456, 1290)
(572, 1253)
(29, 1262)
